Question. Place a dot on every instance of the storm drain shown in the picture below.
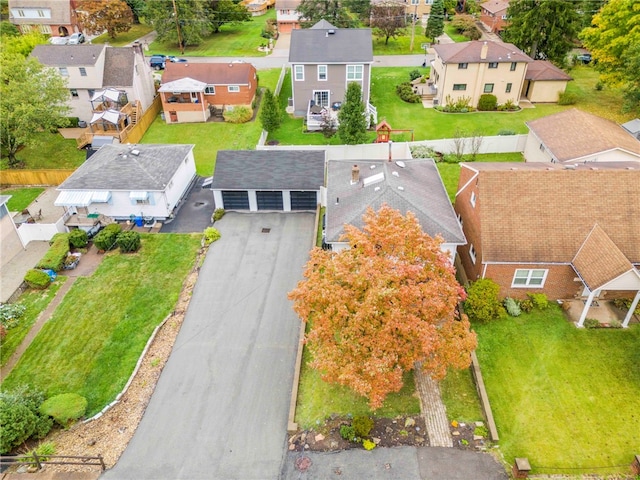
(266, 230)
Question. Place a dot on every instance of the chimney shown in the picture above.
(355, 174)
(484, 51)
(137, 47)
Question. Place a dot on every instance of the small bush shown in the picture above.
(10, 314)
(625, 304)
(615, 323)
(567, 98)
(539, 300)
(211, 235)
(113, 228)
(421, 151)
(239, 114)
(65, 408)
(218, 214)
(482, 303)
(591, 323)
(457, 105)
(37, 279)
(128, 241)
(368, 445)
(43, 450)
(599, 85)
(413, 74)
(362, 426)
(526, 305)
(512, 307)
(20, 417)
(406, 93)
(106, 239)
(54, 258)
(348, 433)
(78, 238)
(488, 102)
(481, 431)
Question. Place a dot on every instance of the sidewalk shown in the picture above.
(433, 409)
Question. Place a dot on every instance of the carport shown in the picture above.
(268, 180)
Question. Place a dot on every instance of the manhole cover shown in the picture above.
(266, 230)
(303, 464)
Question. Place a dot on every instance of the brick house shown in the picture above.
(192, 92)
(494, 15)
(51, 17)
(565, 231)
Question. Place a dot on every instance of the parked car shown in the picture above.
(76, 39)
(58, 40)
(173, 59)
(585, 58)
(157, 62)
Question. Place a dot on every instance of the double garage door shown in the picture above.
(269, 200)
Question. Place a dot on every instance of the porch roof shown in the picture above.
(74, 199)
(599, 260)
(110, 116)
(108, 94)
(183, 85)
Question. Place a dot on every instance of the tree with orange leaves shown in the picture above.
(382, 305)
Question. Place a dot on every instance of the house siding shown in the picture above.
(544, 91)
(471, 225)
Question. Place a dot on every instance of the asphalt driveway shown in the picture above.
(194, 215)
(220, 408)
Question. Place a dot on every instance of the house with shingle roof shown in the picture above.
(89, 69)
(51, 17)
(193, 92)
(324, 60)
(405, 185)
(544, 82)
(471, 69)
(575, 136)
(568, 231)
(121, 181)
(287, 16)
(493, 14)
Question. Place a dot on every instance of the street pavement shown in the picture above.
(220, 408)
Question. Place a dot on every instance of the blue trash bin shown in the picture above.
(139, 221)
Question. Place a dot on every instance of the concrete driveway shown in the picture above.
(220, 408)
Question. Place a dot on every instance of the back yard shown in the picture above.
(565, 398)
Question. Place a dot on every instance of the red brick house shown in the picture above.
(494, 15)
(191, 92)
(566, 231)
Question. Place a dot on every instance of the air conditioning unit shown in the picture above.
(435, 102)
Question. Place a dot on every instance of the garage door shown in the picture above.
(235, 200)
(269, 200)
(304, 200)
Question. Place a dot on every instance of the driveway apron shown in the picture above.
(220, 408)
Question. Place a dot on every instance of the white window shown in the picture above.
(473, 199)
(83, 71)
(322, 72)
(428, 2)
(46, 29)
(472, 253)
(210, 90)
(233, 88)
(63, 71)
(415, 2)
(355, 73)
(25, 28)
(298, 73)
(529, 278)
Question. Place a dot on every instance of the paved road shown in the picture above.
(220, 408)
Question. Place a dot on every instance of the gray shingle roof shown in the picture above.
(269, 170)
(113, 167)
(422, 193)
(67, 55)
(317, 45)
(118, 67)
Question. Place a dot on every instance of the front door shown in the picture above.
(321, 97)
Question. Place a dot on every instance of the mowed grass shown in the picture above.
(51, 150)
(317, 399)
(460, 396)
(453, 33)
(34, 301)
(241, 40)
(21, 198)
(401, 44)
(96, 335)
(122, 39)
(563, 397)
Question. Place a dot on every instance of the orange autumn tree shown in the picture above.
(382, 305)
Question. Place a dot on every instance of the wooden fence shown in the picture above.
(34, 177)
(144, 122)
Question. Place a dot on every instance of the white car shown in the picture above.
(58, 40)
(76, 39)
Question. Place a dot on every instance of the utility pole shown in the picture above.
(413, 26)
(175, 14)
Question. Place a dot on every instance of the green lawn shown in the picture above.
(562, 396)
(401, 44)
(96, 335)
(21, 198)
(453, 34)
(460, 396)
(35, 302)
(52, 150)
(122, 39)
(317, 400)
(240, 40)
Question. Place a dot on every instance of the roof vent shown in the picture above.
(372, 167)
(401, 164)
(378, 177)
(395, 174)
(401, 189)
(331, 31)
(569, 167)
(135, 152)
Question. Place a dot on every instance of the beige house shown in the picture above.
(544, 82)
(470, 69)
(574, 136)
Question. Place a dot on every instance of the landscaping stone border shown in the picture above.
(484, 397)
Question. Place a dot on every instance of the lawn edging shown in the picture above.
(484, 398)
(292, 426)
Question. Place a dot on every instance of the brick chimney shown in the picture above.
(483, 51)
(355, 174)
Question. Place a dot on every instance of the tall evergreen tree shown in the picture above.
(270, 115)
(435, 24)
(312, 11)
(353, 123)
(544, 29)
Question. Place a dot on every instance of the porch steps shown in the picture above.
(134, 113)
(85, 139)
(428, 96)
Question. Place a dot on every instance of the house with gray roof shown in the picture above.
(124, 181)
(405, 185)
(90, 69)
(268, 180)
(324, 60)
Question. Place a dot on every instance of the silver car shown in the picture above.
(76, 39)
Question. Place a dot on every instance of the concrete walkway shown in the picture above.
(433, 409)
(13, 272)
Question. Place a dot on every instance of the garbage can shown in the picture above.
(139, 221)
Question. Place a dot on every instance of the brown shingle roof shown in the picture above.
(210, 73)
(469, 52)
(495, 6)
(545, 70)
(599, 260)
(118, 67)
(542, 212)
(574, 134)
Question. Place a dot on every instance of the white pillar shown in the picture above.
(634, 304)
(585, 310)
